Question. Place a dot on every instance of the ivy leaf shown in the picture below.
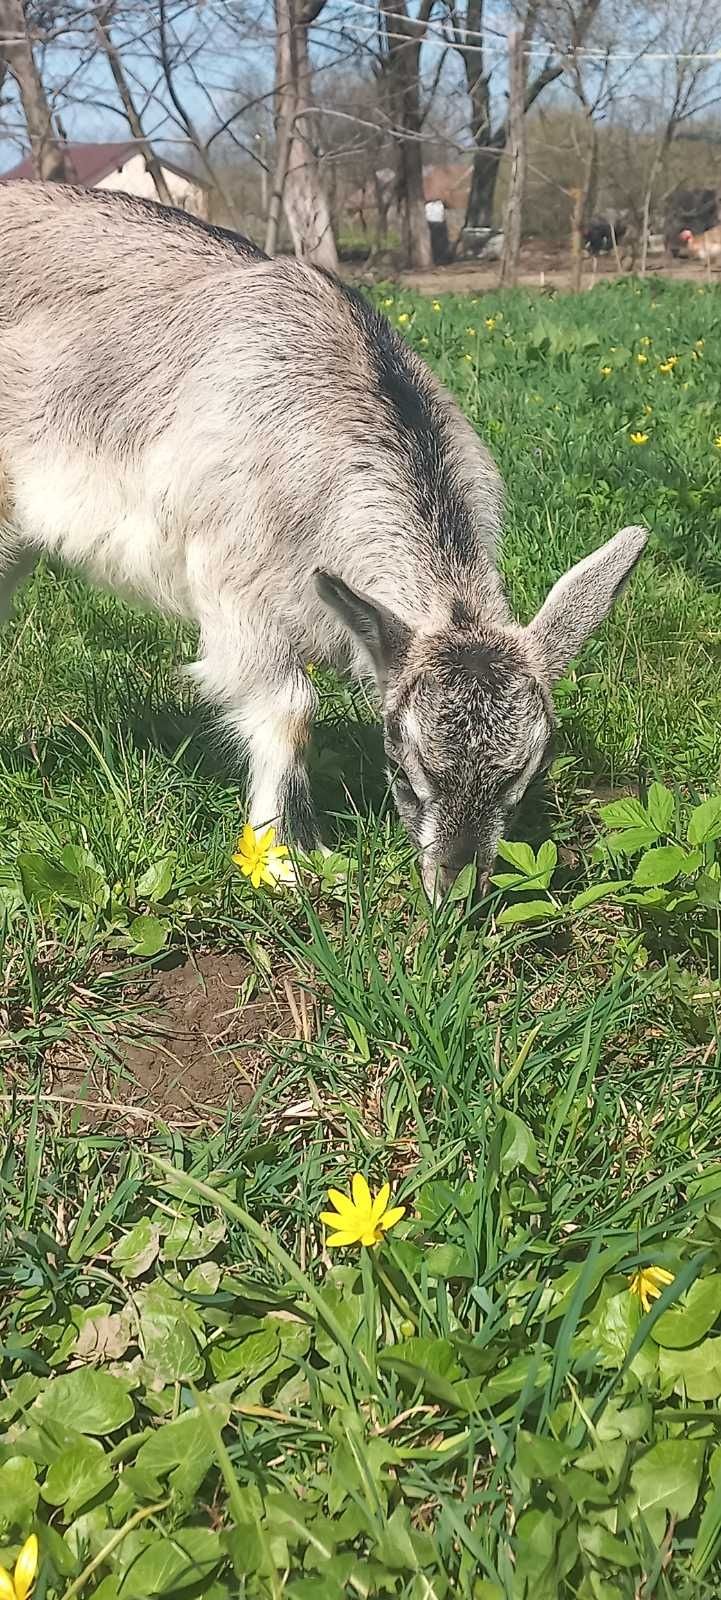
(19, 1492)
(147, 936)
(136, 1251)
(158, 880)
(76, 1477)
(91, 1402)
(518, 1146)
(667, 1479)
(186, 1561)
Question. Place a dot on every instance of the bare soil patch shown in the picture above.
(202, 1038)
(541, 267)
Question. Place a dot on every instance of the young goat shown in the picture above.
(248, 444)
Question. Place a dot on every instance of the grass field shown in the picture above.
(198, 1396)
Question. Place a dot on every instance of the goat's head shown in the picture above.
(468, 716)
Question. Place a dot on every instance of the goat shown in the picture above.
(248, 444)
(704, 246)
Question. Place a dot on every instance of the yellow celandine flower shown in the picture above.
(641, 359)
(387, 302)
(717, 441)
(490, 323)
(471, 333)
(648, 1283)
(669, 364)
(360, 1220)
(645, 339)
(436, 305)
(467, 356)
(262, 860)
(639, 438)
(404, 317)
(18, 1585)
(700, 344)
(648, 411)
(424, 339)
(606, 372)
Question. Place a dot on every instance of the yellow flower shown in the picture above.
(606, 372)
(262, 860)
(387, 302)
(18, 1586)
(669, 364)
(641, 359)
(424, 340)
(404, 317)
(648, 411)
(490, 323)
(645, 339)
(361, 1220)
(467, 356)
(700, 344)
(436, 305)
(311, 668)
(648, 1283)
(638, 438)
(717, 441)
(471, 333)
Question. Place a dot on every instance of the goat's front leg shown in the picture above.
(269, 706)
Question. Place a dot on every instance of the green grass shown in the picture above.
(196, 1399)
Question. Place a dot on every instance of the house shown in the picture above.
(123, 166)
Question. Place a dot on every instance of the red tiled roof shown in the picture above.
(90, 163)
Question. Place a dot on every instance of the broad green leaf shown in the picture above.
(187, 1241)
(91, 1402)
(698, 1369)
(170, 1351)
(605, 1546)
(169, 1565)
(148, 935)
(686, 1323)
(157, 881)
(536, 1535)
(42, 880)
(510, 1380)
(76, 1477)
(667, 1479)
(136, 1251)
(181, 1451)
(540, 1457)
(246, 1357)
(629, 840)
(597, 891)
(708, 1537)
(547, 857)
(518, 1146)
(626, 813)
(660, 866)
(705, 821)
(660, 806)
(18, 1492)
(527, 911)
(518, 855)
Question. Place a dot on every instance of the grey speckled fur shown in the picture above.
(248, 444)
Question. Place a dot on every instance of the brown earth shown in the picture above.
(202, 1037)
(541, 267)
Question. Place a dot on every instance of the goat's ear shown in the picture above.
(581, 600)
(381, 635)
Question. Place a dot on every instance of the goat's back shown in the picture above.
(60, 244)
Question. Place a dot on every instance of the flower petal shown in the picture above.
(361, 1192)
(342, 1203)
(26, 1567)
(659, 1275)
(333, 1219)
(392, 1217)
(370, 1237)
(247, 838)
(266, 839)
(342, 1239)
(7, 1587)
(380, 1202)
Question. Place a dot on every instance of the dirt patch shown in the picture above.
(205, 1040)
(540, 268)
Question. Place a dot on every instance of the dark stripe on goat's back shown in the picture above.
(419, 430)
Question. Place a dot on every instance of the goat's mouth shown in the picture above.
(438, 878)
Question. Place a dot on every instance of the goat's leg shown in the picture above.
(269, 705)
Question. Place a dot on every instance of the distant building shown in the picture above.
(123, 166)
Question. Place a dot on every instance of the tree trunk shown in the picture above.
(47, 155)
(304, 198)
(583, 200)
(517, 150)
(402, 70)
(107, 45)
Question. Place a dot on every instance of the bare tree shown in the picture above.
(402, 38)
(115, 63)
(690, 33)
(517, 150)
(490, 136)
(297, 180)
(17, 58)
